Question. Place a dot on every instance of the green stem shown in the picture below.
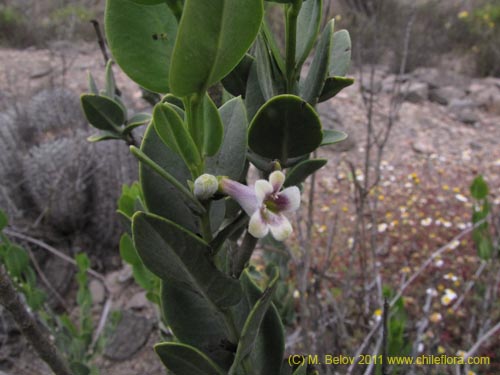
(292, 13)
(168, 177)
(206, 228)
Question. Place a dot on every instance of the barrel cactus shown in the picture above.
(51, 110)
(115, 167)
(58, 176)
(11, 154)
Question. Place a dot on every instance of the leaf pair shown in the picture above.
(162, 56)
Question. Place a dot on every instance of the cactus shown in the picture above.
(51, 110)
(11, 154)
(115, 167)
(58, 177)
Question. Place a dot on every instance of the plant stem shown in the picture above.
(168, 177)
(29, 327)
(292, 13)
(243, 255)
(206, 228)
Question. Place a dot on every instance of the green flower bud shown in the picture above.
(205, 186)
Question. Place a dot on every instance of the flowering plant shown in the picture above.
(194, 158)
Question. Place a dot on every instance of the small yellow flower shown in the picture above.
(406, 269)
(441, 350)
(445, 187)
(381, 197)
(377, 314)
(435, 317)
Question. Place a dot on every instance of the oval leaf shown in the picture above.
(252, 326)
(313, 84)
(141, 39)
(301, 171)
(230, 159)
(213, 37)
(333, 136)
(286, 126)
(308, 24)
(179, 256)
(175, 135)
(160, 196)
(183, 359)
(102, 113)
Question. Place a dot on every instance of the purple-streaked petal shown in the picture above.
(277, 178)
(262, 190)
(244, 195)
(258, 226)
(288, 200)
(280, 226)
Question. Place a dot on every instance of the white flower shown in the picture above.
(461, 198)
(426, 222)
(205, 186)
(265, 204)
(448, 297)
(382, 227)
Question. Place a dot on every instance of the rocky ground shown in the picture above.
(447, 131)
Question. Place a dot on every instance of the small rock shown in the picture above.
(422, 147)
(113, 283)
(130, 335)
(475, 146)
(444, 95)
(416, 92)
(436, 78)
(97, 291)
(137, 302)
(466, 116)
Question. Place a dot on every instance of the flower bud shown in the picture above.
(205, 186)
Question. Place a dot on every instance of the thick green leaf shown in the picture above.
(264, 72)
(479, 188)
(333, 85)
(213, 37)
(333, 136)
(273, 46)
(148, 2)
(127, 250)
(267, 356)
(179, 256)
(254, 98)
(109, 83)
(285, 127)
(250, 332)
(4, 221)
(161, 197)
(214, 130)
(105, 136)
(139, 118)
(301, 171)
(172, 131)
(236, 81)
(339, 61)
(102, 113)
(194, 320)
(183, 359)
(340, 54)
(308, 24)
(313, 84)
(141, 39)
(230, 160)
(16, 260)
(92, 85)
(301, 370)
